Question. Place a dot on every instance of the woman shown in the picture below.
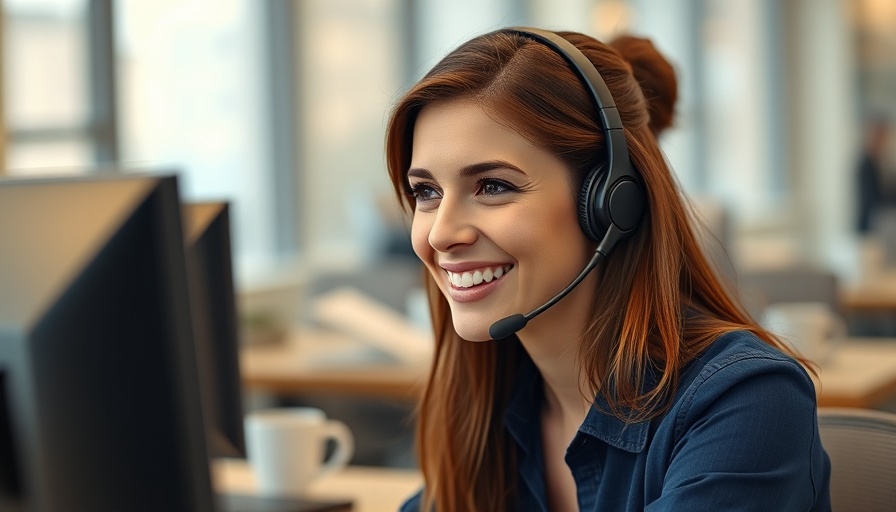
(646, 386)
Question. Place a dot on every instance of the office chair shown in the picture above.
(862, 446)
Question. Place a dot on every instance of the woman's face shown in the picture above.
(495, 221)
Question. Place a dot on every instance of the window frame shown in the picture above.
(100, 127)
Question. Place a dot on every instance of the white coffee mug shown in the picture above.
(286, 448)
(812, 328)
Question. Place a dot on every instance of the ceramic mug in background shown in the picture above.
(286, 448)
(812, 328)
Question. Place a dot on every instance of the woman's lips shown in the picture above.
(475, 284)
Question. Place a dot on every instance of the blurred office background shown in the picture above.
(280, 107)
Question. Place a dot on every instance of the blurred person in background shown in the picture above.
(873, 188)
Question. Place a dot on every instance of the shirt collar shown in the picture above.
(619, 433)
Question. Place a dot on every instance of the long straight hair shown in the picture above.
(661, 303)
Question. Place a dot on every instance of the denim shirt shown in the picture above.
(742, 434)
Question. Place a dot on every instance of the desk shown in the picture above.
(874, 289)
(871, 294)
(321, 362)
(860, 373)
(371, 489)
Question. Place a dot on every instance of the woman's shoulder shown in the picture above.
(740, 368)
(744, 414)
(742, 347)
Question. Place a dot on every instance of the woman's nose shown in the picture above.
(452, 227)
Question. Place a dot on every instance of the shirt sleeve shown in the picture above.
(747, 441)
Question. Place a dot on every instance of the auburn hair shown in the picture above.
(654, 74)
(661, 302)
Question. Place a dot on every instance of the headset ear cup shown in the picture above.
(588, 218)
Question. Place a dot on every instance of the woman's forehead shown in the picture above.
(463, 128)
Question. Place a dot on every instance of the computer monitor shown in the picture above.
(216, 324)
(99, 395)
(118, 349)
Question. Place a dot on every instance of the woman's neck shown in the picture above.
(565, 393)
(553, 345)
(552, 340)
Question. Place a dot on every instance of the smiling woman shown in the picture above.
(646, 385)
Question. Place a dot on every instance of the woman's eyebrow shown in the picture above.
(417, 172)
(469, 170)
(474, 169)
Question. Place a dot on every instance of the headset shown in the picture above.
(612, 197)
(612, 201)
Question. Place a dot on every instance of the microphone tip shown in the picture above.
(506, 327)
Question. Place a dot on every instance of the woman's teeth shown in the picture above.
(478, 276)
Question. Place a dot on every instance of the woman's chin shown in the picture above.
(472, 332)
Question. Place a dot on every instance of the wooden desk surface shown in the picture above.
(878, 295)
(371, 489)
(874, 288)
(860, 373)
(321, 362)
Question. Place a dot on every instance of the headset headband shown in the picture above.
(617, 150)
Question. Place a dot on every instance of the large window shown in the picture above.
(53, 123)
(203, 88)
(280, 105)
(193, 96)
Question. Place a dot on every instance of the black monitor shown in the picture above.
(216, 324)
(119, 374)
(99, 396)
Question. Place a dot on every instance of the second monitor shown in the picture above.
(216, 324)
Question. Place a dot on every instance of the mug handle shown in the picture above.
(345, 447)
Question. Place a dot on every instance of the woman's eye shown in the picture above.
(424, 192)
(491, 187)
